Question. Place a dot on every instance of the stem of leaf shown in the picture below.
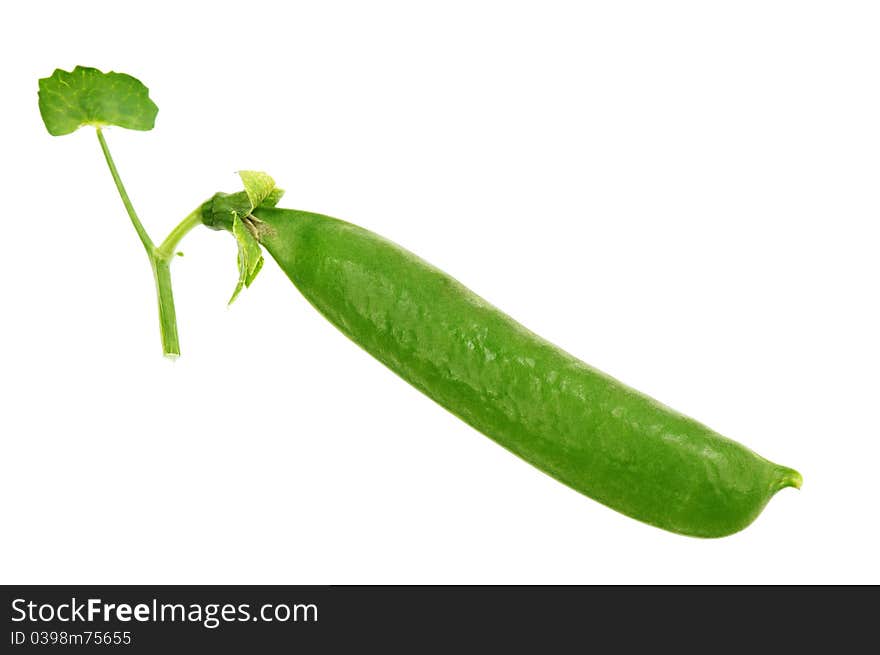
(142, 233)
(160, 258)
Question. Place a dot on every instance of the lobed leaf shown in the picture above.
(86, 96)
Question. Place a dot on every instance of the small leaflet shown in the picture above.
(272, 199)
(257, 186)
(259, 191)
(250, 257)
(86, 96)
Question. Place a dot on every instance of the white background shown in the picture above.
(683, 194)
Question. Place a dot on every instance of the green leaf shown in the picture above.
(257, 186)
(273, 198)
(86, 96)
(260, 189)
(250, 257)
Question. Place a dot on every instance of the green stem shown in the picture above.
(142, 233)
(167, 314)
(166, 250)
(160, 258)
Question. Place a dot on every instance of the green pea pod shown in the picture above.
(570, 420)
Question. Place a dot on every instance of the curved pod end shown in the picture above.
(787, 477)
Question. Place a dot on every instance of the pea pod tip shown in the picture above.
(789, 478)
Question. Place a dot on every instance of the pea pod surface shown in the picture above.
(579, 425)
